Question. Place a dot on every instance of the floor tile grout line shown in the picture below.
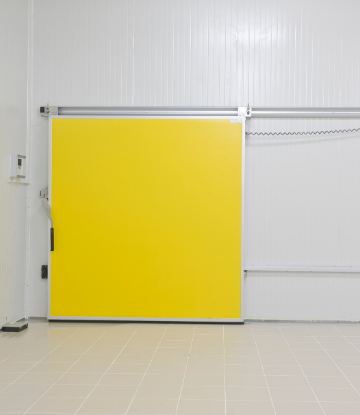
(346, 338)
(25, 345)
(268, 388)
(187, 364)
(48, 354)
(339, 367)
(67, 371)
(147, 368)
(307, 380)
(224, 360)
(107, 370)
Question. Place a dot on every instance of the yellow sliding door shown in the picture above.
(147, 218)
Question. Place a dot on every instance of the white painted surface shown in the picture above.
(13, 118)
(302, 194)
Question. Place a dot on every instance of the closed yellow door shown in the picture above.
(147, 218)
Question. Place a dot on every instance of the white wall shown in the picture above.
(302, 195)
(13, 130)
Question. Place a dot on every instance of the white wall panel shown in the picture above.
(302, 193)
(13, 124)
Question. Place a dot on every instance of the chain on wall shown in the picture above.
(350, 130)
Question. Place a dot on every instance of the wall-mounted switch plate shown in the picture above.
(17, 172)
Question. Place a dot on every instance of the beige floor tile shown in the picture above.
(80, 378)
(287, 381)
(305, 346)
(246, 389)
(343, 408)
(153, 379)
(110, 350)
(209, 329)
(331, 339)
(63, 405)
(343, 353)
(337, 382)
(321, 370)
(44, 378)
(4, 386)
(206, 360)
(193, 369)
(236, 351)
(175, 343)
(97, 358)
(14, 404)
(144, 351)
(15, 367)
(204, 380)
(279, 360)
(355, 381)
(180, 328)
(312, 354)
(93, 367)
(337, 346)
(251, 353)
(177, 337)
(9, 377)
(292, 394)
(142, 343)
(315, 361)
(256, 370)
(247, 394)
(104, 406)
(158, 368)
(297, 408)
(24, 389)
(61, 367)
(165, 351)
(347, 361)
(207, 351)
(131, 358)
(158, 392)
(300, 339)
(70, 350)
(243, 360)
(203, 392)
(351, 370)
(234, 337)
(121, 379)
(337, 395)
(174, 359)
(128, 368)
(114, 391)
(147, 336)
(282, 370)
(245, 381)
(201, 407)
(114, 341)
(250, 408)
(25, 358)
(68, 391)
(61, 358)
(153, 406)
(203, 344)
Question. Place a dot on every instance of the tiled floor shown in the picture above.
(255, 369)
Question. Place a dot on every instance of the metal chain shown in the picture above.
(350, 130)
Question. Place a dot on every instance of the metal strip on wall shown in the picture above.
(255, 112)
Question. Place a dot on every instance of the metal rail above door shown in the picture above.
(249, 112)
